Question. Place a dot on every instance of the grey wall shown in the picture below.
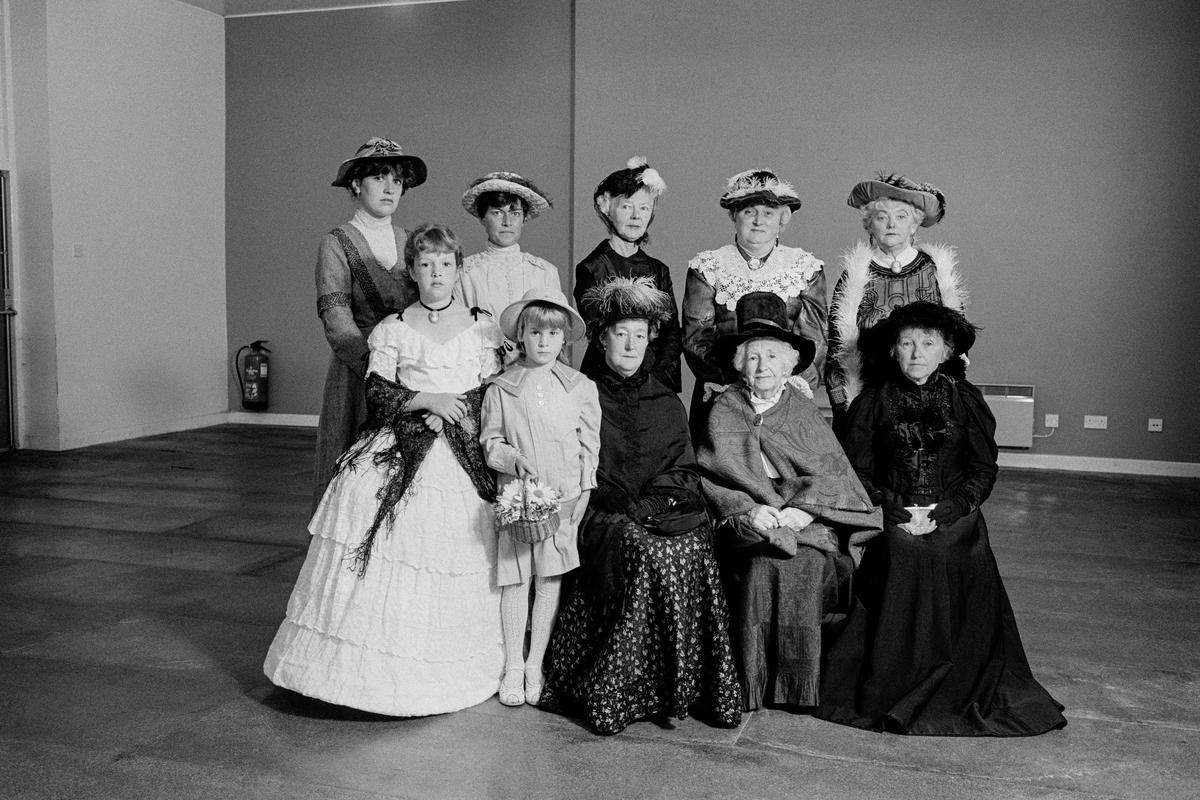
(1063, 133)
(469, 87)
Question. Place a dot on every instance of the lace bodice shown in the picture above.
(423, 365)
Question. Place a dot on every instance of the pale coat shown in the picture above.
(552, 417)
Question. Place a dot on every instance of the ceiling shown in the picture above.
(255, 8)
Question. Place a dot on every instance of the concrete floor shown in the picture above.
(141, 582)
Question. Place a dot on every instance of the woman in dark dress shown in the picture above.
(626, 201)
(360, 280)
(644, 629)
(933, 647)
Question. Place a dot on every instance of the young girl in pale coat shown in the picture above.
(540, 419)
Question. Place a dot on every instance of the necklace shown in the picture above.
(755, 262)
(435, 314)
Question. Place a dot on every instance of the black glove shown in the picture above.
(610, 498)
(648, 507)
(894, 512)
(950, 510)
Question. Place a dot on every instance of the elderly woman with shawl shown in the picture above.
(644, 631)
(792, 515)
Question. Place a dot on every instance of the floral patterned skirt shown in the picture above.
(664, 650)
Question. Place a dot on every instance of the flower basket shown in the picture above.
(528, 511)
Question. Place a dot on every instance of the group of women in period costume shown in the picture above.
(740, 554)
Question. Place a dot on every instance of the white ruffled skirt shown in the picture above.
(420, 632)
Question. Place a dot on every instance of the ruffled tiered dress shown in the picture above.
(419, 632)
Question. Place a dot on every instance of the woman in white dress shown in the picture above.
(396, 610)
(502, 273)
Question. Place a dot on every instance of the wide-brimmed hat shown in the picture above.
(624, 182)
(759, 186)
(549, 296)
(509, 182)
(764, 315)
(877, 342)
(621, 298)
(924, 196)
(384, 150)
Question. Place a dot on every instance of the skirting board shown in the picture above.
(267, 418)
(1119, 466)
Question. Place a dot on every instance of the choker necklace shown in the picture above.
(754, 262)
(434, 314)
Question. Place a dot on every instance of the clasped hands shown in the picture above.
(766, 518)
(442, 407)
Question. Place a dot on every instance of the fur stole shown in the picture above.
(856, 270)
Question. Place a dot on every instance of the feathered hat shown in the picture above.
(759, 186)
(924, 196)
(379, 148)
(626, 298)
(510, 182)
(624, 182)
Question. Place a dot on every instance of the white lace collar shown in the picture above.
(786, 272)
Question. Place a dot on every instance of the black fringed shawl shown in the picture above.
(386, 411)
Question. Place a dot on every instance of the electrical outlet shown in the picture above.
(1096, 421)
(1155, 425)
(1052, 420)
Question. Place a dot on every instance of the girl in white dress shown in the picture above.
(396, 610)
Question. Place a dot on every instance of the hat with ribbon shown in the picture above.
(379, 149)
(548, 296)
(509, 182)
(924, 196)
(764, 315)
(759, 187)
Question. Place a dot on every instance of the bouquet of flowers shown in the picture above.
(528, 511)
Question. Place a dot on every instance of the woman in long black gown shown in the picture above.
(644, 629)
(933, 647)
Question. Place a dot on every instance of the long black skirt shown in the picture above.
(664, 649)
(932, 647)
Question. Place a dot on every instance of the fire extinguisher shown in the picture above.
(252, 376)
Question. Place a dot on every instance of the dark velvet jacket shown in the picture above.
(663, 355)
(924, 443)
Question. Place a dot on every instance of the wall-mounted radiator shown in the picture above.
(1012, 405)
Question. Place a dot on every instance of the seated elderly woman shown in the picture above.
(792, 514)
(933, 647)
(644, 631)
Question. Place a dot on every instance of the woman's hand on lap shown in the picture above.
(795, 518)
(764, 518)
